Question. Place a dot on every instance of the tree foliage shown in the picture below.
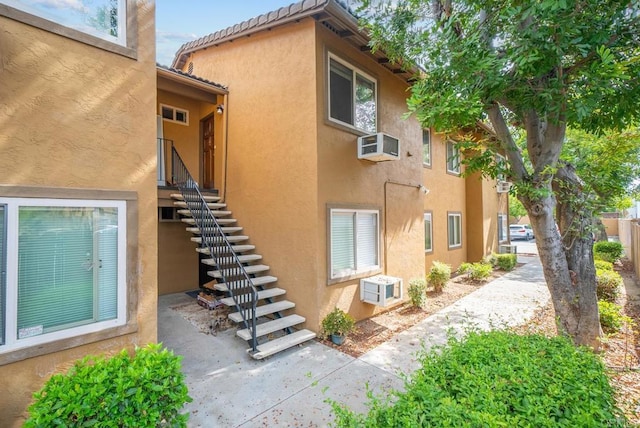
(516, 209)
(526, 71)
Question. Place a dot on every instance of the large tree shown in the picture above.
(527, 69)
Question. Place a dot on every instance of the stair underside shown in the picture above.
(212, 205)
(207, 198)
(263, 310)
(224, 250)
(253, 269)
(242, 259)
(280, 344)
(261, 280)
(196, 230)
(230, 238)
(221, 221)
(216, 213)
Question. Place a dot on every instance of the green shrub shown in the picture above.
(439, 275)
(608, 284)
(479, 271)
(608, 251)
(418, 292)
(611, 317)
(338, 322)
(603, 265)
(498, 379)
(505, 262)
(144, 390)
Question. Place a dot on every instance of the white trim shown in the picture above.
(427, 132)
(456, 154)
(175, 111)
(458, 244)
(430, 215)
(12, 342)
(355, 72)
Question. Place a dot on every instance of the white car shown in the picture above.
(520, 231)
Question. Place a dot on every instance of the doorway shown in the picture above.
(208, 152)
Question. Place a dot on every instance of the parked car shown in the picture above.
(520, 231)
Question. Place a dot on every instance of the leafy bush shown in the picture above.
(418, 292)
(611, 317)
(608, 251)
(144, 390)
(505, 262)
(608, 284)
(603, 265)
(476, 271)
(338, 322)
(439, 275)
(498, 379)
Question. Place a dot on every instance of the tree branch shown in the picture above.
(512, 151)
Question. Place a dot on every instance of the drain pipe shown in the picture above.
(419, 187)
(225, 139)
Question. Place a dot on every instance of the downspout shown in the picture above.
(225, 139)
(397, 183)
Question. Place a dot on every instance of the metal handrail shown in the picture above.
(226, 261)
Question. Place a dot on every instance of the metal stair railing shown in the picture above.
(225, 259)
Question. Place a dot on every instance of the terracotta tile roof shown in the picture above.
(191, 76)
(265, 21)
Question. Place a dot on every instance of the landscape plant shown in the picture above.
(146, 390)
(603, 265)
(609, 284)
(479, 271)
(519, 75)
(418, 292)
(608, 250)
(611, 317)
(498, 379)
(439, 275)
(337, 322)
(506, 262)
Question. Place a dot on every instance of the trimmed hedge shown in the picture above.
(439, 275)
(504, 261)
(608, 284)
(498, 379)
(608, 251)
(146, 390)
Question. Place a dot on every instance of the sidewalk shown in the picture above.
(289, 389)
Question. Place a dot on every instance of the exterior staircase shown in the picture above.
(259, 307)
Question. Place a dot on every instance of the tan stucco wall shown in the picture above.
(447, 193)
(76, 116)
(178, 264)
(343, 180)
(611, 226)
(484, 204)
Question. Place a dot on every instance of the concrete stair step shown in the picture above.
(211, 205)
(230, 238)
(262, 294)
(215, 213)
(248, 258)
(271, 326)
(268, 309)
(224, 229)
(253, 269)
(221, 221)
(280, 344)
(223, 250)
(261, 280)
(207, 198)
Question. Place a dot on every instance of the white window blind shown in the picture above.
(354, 241)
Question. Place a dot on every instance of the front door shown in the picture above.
(208, 151)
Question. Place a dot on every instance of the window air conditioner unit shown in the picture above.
(503, 186)
(380, 290)
(378, 147)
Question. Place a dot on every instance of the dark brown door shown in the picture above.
(208, 152)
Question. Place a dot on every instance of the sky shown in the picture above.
(179, 22)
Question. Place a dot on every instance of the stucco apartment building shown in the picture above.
(302, 88)
(90, 233)
(78, 196)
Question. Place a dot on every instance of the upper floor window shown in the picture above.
(453, 158)
(501, 163)
(352, 96)
(428, 232)
(426, 147)
(502, 227)
(174, 114)
(93, 22)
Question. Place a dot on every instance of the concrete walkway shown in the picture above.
(230, 389)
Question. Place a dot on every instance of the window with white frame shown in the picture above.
(65, 269)
(174, 114)
(101, 19)
(453, 158)
(426, 147)
(454, 229)
(352, 96)
(501, 164)
(354, 241)
(502, 227)
(428, 232)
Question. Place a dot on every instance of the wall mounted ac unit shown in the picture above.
(503, 186)
(380, 289)
(378, 147)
